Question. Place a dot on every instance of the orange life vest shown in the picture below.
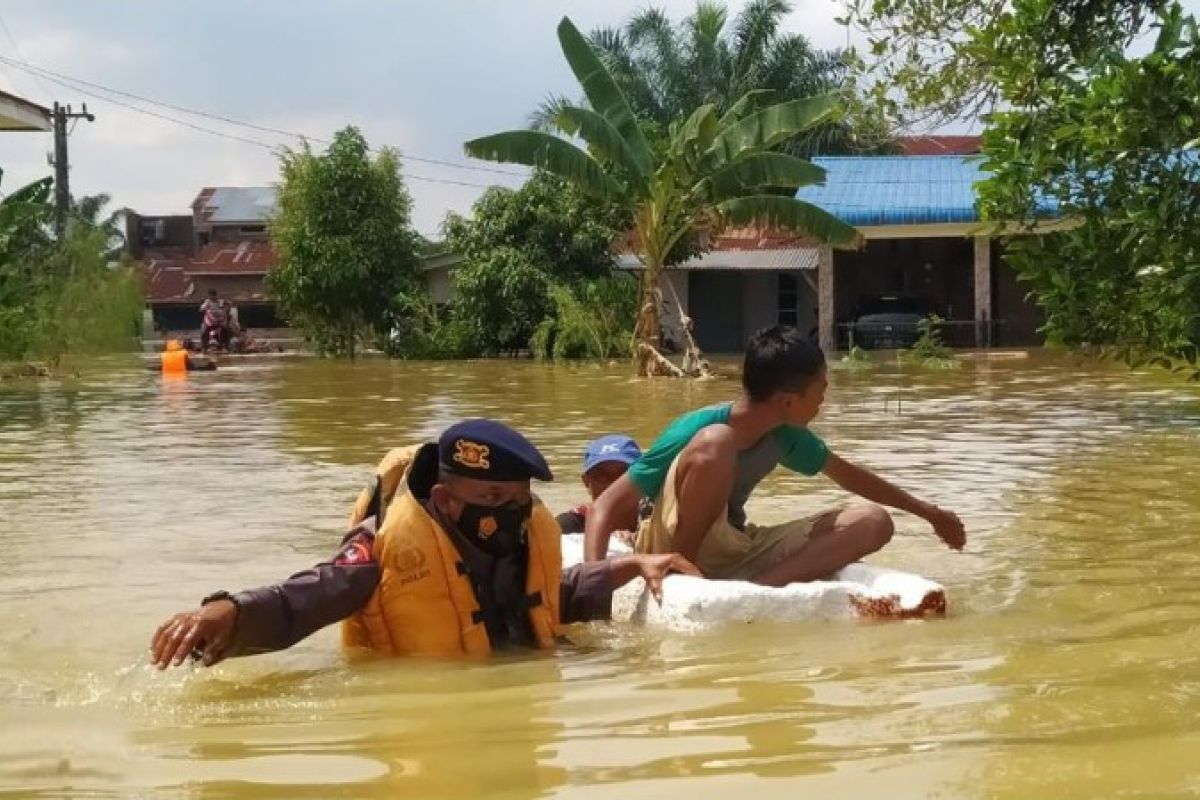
(391, 472)
(425, 604)
(174, 362)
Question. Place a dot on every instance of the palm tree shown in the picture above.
(667, 70)
(89, 210)
(711, 170)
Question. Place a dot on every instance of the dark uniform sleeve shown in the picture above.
(586, 592)
(276, 617)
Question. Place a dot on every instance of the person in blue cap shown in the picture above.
(604, 461)
(451, 555)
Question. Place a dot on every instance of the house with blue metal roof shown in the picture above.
(881, 191)
(926, 251)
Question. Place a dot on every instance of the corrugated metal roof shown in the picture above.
(937, 145)
(787, 258)
(19, 114)
(439, 260)
(897, 190)
(901, 190)
(241, 204)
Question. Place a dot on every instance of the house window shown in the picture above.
(154, 231)
(248, 229)
(787, 301)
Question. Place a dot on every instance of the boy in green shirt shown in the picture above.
(704, 466)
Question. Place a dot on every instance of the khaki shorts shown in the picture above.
(726, 552)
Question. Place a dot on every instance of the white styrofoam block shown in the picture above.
(572, 548)
(695, 604)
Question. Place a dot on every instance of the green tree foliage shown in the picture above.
(590, 320)
(60, 298)
(92, 211)
(344, 242)
(1116, 153)
(715, 170)
(87, 304)
(23, 215)
(499, 299)
(558, 228)
(425, 331)
(1079, 122)
(929, 350)
(932, 63)
(666, 70)
(521, 250)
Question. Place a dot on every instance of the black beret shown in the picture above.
(490, 451)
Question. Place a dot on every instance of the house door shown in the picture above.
(715, 306)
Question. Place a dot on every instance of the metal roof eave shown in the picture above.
(19, 114)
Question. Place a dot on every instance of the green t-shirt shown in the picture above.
(798, 449)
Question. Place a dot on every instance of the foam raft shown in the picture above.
(697, 604)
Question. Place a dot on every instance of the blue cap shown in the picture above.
(613, 447)
(490, 451)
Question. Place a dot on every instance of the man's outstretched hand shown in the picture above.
(207, 630)
(653, 568)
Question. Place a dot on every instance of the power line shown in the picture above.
(230, 136)
(450, 182)
(155, 114)
(20, 56)
(60, 78)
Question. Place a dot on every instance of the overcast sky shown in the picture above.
(420, 76)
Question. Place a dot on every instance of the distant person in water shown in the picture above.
(175, 360)
(604, 461)
(215, 312)
(704, 466)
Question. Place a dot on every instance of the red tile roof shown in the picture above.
(166, 282)
(249, 257)
(938, 145)
(170, 275)
(754, 238)
(743, 239)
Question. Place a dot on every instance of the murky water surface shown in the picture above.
(1068, 668)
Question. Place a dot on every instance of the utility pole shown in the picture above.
(62, 164)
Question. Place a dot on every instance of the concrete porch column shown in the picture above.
(826, 307)
(983, 291)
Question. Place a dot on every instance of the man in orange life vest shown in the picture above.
(465, 561)
(175, 360)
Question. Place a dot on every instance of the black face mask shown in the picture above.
(498, 530)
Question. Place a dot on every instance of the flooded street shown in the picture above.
(1068, 667)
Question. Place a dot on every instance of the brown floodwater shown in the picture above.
(1068, 667)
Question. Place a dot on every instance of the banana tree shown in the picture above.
(23, 213)
(711, 171)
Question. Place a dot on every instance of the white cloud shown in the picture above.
(423, 78)
(63, 46)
